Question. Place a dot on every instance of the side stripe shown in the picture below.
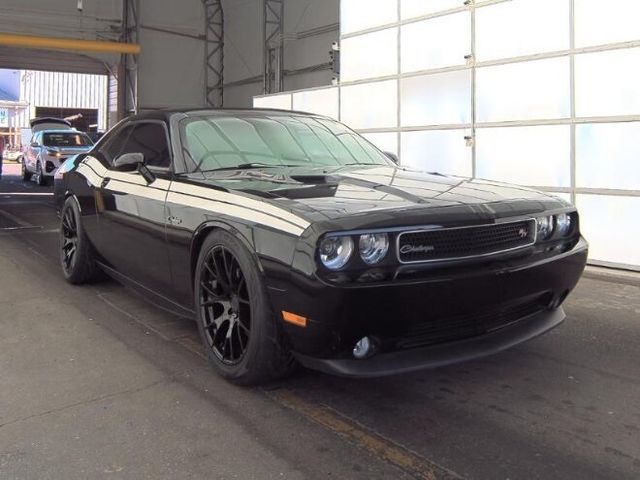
(92, 177)
(95, 164)
(100, 170)
(204, 192)
(146, 192)
(194, 196)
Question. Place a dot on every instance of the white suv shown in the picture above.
(53, 141)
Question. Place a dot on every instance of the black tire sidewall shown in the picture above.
(26, 174)
(254, 367)
(83, 267)
(40, 173)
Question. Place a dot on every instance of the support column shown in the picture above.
(213, 53)
(273, 46)
(128, 74)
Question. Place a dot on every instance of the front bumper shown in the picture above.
(51, 164)
(440, 355)
(443, 317)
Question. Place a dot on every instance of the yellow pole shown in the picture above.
(51, 43)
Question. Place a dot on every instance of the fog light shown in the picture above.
(364, 348)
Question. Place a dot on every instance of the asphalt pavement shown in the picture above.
(97, 383)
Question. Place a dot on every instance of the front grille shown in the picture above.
(441, 330)
(464, 242)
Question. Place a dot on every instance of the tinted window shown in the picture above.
(150, 140)
(219, 142)
(66, 139)
(112, 149)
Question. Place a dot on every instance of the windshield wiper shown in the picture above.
(248, 166)
(357, 163)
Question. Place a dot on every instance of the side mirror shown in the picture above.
(129, 161)
(34, 144)
(393, 157)
(134, 161)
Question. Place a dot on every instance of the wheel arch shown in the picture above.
(69, 194)
(205, 229)
(60, 200)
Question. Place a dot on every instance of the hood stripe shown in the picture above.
(240, 200)
(233, 211)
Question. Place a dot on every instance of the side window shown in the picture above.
(113, 148)
(150, 140)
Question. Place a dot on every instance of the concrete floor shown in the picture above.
(97, 383)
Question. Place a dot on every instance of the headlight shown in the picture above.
(53, 153)
(563, 223)
(335, 251)
(373, 247)
(545, 227)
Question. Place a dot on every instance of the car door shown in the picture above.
(131, 217)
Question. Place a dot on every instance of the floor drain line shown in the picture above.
(397, 455)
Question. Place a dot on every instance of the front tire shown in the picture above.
(26, 174)
(40, 178)
(76, 253)
(243, 341)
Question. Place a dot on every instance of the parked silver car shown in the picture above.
(53, 141)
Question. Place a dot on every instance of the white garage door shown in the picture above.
(543, 93)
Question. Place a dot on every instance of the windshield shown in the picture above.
(66, 139)
(219, 142)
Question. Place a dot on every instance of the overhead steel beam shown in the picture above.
(129, 63)
(273, 45)
(214, 53)
(70, 44)
(171, 32)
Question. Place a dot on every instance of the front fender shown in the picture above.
(207, 227)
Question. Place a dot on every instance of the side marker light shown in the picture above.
(294, 319)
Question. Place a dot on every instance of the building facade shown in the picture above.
(31, 93)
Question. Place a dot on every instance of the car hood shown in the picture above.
(354, 197)
(65, 151)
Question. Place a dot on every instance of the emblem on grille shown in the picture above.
(523, 232)
(405, 249)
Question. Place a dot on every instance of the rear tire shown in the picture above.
(76, 254)
(242, 338)
(26, 174)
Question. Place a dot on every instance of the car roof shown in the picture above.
(68, 130)
(166, 114)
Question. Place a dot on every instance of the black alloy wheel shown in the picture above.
(69, 240)
(243, 339)
(225, 307)
(77, 258)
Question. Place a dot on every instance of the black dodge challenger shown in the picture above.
(290, 239)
